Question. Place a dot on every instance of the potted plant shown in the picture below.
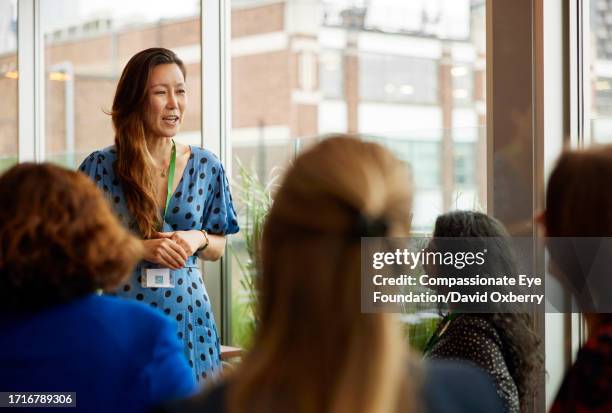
(254, 202)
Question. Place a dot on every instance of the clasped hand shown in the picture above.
(172, 249)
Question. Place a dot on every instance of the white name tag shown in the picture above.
(156, 278)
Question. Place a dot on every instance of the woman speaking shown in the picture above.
(175, 197)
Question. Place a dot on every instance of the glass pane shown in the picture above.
(8, 84)
(601, 71)
(87, 44)
(409, 75)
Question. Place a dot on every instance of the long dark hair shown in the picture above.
(521, 344)
(132, 168)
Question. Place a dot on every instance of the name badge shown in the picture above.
(156, 278)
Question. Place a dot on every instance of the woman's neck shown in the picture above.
(159, 148)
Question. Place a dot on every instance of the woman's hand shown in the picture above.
(189, 241)
(165, 251)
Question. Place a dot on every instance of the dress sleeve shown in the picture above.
(220, 216)
(91, 167)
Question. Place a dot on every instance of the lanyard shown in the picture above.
(170, 176)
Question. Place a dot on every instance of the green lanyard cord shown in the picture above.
(170, 176)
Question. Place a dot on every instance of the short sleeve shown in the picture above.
(220, 216)
(98, 167)
(89, 166)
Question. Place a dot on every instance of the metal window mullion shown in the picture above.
(574, 71)
(514, 120)
(225, 86)
(585, 64)
(39, 84)
(26, 69)
(31, 83)
(580, 89)
(216, 115)
(578, 322)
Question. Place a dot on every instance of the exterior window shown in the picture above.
(8, 84)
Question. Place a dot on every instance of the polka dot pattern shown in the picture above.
(192, 206)
(472, 338)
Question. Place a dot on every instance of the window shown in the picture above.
(86, 48)
(464, 165)
(331, 69)
(601, 71)
(409, 75)
(398, 79)
(8, 84)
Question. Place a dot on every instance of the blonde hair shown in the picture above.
(314, 351)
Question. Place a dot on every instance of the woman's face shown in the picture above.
(166, 101)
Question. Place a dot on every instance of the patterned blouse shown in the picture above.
(471, 338)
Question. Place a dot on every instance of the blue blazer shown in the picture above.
(117, 355)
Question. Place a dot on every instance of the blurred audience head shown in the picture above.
(478, 231)
(58, 238)
(461, 232)
(579, 204)
(314, 350)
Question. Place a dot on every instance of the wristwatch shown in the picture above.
(206, 242)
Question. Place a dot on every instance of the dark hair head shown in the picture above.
(58, 238)
(129, 105)
(131, 92)
(521, 345)
(578, 203)
(477, 231)
(468, 224)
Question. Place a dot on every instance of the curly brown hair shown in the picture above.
(58, 238)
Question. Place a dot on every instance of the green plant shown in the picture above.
(418, 329)
(7, 162)
(254, 201)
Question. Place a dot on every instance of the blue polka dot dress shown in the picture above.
(202, 200)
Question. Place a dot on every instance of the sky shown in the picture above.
(62, 13)
(448, 18)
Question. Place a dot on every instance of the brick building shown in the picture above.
(413, 80)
